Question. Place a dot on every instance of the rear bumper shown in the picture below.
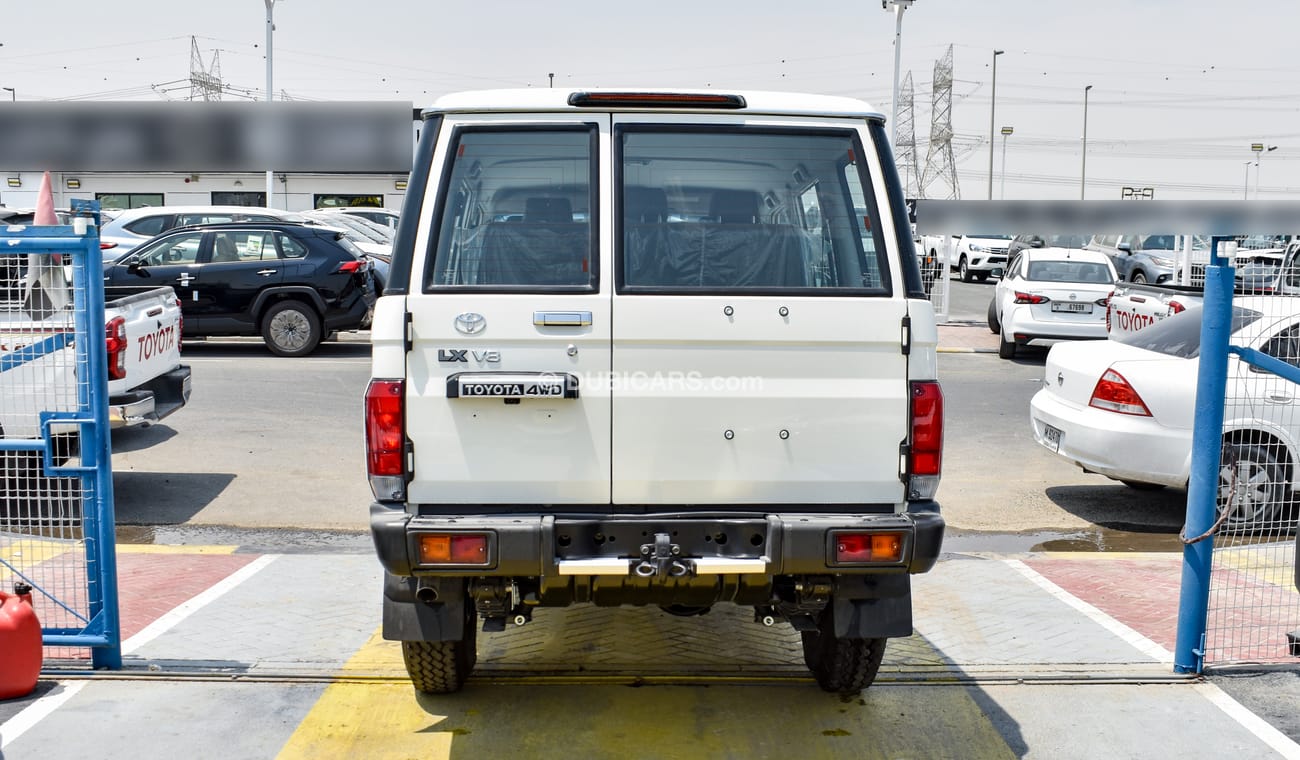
(152, 401)
(532, 545)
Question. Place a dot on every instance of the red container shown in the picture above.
(21, 653)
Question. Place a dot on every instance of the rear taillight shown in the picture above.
(1175, 307)
(386, 439)
(115, 343)
(1108, 310)
(180, 325)
(868, 548)
(454, 549)
(925, 454)
(106, 246)
(349, 267)
(1114, 394)
(1030, 298)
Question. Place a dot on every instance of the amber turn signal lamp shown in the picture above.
(453, 549)
(868, 547)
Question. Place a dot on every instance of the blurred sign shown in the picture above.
(198, 137)
(1137, 193)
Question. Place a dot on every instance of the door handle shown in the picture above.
(266, 272)
(186, 278)
(561, 318)
(1279, 398)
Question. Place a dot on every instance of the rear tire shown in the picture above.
(441, 667)
(1259, 494)
(1006, 348)
(291, 328)
(995, 327)
(841, 665)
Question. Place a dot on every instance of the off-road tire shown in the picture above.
(291, 328)
(1262, 493)
(995, 327)
(441, 667)
(1006, 348)
(841, 665)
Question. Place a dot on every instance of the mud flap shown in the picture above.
(873, 608)
(408, 619)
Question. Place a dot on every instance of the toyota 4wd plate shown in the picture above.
(512, 385)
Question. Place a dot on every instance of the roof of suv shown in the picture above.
(756, 102)
(135, 213)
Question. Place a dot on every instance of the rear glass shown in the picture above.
(1180, 335)
(1069, 271)
(518, 212)
(705, 211)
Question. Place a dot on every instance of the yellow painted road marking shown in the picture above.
(596, 720)
(26, 553)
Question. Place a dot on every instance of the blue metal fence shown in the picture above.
(56, 514)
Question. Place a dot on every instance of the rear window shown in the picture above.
(1180, 334)
(150, 225)
(1069, 271)
(518, 212)
(743, 210)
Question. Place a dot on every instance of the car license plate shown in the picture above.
(1052, 437)
(512, 385)
(1072, 308)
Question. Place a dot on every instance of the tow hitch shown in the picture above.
(662, 558)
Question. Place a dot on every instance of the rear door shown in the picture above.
(508, 397)
(240, 265)
(758, 316)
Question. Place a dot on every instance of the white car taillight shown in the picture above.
(115, 344)
(925, 454)
(1114, 394)
(1030, 298)
(386, 439)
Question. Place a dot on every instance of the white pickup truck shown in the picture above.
(146, 380)
(973, 257)
(615, 364)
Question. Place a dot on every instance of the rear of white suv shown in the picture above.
(653, 348)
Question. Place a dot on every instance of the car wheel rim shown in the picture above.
(1249, 496)
(290, 329)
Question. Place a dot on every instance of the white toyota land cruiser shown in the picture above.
(639, 348)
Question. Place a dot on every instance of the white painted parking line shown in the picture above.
(1278, 741)
(36, 712)
(1137, 640)
(185, 609)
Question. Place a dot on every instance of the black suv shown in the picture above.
(291, 283)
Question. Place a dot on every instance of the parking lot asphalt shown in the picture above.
(967, 338)
(233, 653)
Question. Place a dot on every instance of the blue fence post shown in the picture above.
(1207, 436)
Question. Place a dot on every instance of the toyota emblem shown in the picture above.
(470, 323)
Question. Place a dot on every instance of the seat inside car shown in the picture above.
(224, 249)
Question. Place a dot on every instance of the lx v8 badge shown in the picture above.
(462, 355)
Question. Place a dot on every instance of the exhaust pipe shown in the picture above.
(426, 594)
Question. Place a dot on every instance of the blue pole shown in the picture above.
(103, 554)
(1207, 436)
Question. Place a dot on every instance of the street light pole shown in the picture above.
(270, 28)
(1260, 150)
(1083, 168)
(1002, 190)
(899, 7)
(993, 104)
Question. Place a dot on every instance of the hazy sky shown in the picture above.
(1181, 88)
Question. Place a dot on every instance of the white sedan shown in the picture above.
(1124, 408)
(1049, 295)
